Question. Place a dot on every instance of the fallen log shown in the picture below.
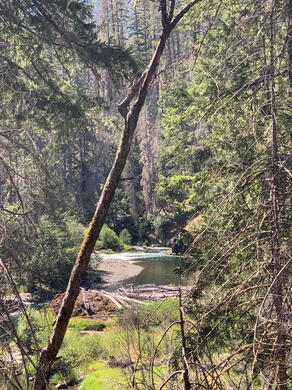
(153, 293)
(132, 300)
(119, 299)
(113, 300)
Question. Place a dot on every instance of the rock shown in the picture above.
(61, 385)
(177, 245)
(126, 363)
(112, 362)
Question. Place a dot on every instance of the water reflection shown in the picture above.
(158, 270)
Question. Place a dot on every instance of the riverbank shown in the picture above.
(112, 270)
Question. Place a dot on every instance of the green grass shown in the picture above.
(111, 342)
(151, 316)
(81, 324)
(104, 378)
(87, 353)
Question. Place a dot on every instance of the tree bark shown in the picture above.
(49, 353)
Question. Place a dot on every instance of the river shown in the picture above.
(139, 267)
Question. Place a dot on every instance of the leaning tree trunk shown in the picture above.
(49, 353)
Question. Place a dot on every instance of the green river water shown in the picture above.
(158, 268)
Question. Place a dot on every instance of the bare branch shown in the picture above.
(182, 13)
(170, 377)
(171, 10)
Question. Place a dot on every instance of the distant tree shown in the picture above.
(109, 239)
(125, 237)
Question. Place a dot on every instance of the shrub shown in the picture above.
(58, 245)
(109, 239)
(152, 315)
(98, 244)
(76, 350)
(127, 247)
(85, 347)
(125, 237)
(91, 347)
(69, 358)
(42, 325)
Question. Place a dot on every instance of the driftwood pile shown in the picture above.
(95, 303)
(90, 303)
(142, 294)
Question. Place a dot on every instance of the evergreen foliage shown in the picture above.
(108, 239)
(55, 147)
(125, 237)
(237, 98)
(57, 248)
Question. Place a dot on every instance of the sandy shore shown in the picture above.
(113, 270)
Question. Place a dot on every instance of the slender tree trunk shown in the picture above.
(281, 377)
(49, 353)
(289, 43)
(186, 378)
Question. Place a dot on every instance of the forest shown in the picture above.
(146, 124)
